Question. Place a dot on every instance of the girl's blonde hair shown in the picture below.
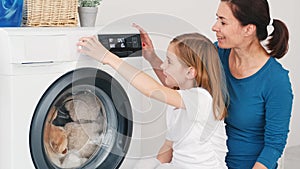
(196, 51)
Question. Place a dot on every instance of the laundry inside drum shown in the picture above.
(74, 129)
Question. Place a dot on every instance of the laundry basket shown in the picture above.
(50, 13)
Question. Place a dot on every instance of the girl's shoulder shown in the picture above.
(196, 90)
(195, 95)
(198, 103)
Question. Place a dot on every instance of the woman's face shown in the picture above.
(174, 69)
(228, 29)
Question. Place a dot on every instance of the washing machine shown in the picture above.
(59, 109)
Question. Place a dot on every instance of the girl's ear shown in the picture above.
(191, 73)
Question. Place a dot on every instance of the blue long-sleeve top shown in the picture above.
(258, 114)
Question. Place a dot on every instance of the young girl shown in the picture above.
(196, 135)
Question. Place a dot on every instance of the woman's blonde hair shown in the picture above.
(196, 51)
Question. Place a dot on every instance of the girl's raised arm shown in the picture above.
(143, 82)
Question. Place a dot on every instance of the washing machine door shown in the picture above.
(82, 121)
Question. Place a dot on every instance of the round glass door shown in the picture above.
(79, 124)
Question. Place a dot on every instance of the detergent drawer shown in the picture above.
(45, 44)
(39, 48)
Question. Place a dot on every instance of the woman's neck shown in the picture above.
(246, 60)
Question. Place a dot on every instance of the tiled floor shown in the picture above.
(291, 158)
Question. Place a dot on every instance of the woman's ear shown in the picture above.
(191, 73)
(250, 29)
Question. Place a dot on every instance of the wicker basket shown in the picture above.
(50, 13)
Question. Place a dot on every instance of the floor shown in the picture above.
(291, 158)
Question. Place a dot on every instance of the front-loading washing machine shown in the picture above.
(62, 110)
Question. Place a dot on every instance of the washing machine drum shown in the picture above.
(82, 121)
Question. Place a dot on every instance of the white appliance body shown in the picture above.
(33, 59)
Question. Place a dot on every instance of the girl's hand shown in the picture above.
(92, 47)
(147, 46)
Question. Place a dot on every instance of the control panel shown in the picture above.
(123, 45)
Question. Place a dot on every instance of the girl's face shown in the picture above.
(228, 29)
(174, 69)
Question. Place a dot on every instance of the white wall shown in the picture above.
(174, 17)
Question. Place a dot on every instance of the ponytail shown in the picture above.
(278, 42)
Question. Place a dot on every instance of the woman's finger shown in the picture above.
(139, 28)
(146, 41)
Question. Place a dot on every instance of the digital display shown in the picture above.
(123, 45)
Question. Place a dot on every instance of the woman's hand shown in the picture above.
(147, 46)
(259, 165)
(92, 47)
(149, 54)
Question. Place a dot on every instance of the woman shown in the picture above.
(260, 91)
(259, 87)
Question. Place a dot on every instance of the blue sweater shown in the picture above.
(258, 114)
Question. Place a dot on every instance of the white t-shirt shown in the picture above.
(199, 140)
